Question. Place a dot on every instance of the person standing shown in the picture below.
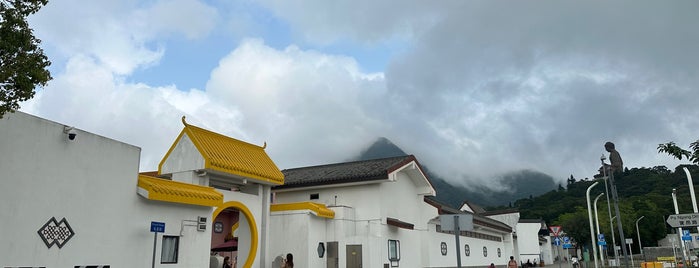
(227, 262)
(512, 263)
(288, 262)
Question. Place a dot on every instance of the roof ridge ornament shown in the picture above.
(184, 122)
(264, 145)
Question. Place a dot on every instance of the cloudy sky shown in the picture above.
(473, 88)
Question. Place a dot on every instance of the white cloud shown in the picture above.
(119, 34)
(482, 88)
(307, 105)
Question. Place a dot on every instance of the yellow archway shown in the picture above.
(251, 222)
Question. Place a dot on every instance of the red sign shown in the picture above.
(555, 230)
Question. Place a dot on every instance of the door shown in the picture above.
(332, 255)
(354, 256)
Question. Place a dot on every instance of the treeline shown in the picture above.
(642, 191)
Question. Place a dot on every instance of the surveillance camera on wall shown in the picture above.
(70, 131)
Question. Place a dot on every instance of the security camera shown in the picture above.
(70, 131)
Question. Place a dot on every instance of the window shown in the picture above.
(467, 250)
(170, 248)
(394, 252)
(485, 252)
(315, 196)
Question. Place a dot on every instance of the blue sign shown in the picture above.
(566, 240)
(157, 227)
(556, 241)
(601, 243)
(567, 246)
(600, 237)
(686, 236)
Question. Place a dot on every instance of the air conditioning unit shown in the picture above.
(201, 224)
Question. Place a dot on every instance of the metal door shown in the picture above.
(354, 256)
(333, 260)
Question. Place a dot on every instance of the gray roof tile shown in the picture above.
(359, 171)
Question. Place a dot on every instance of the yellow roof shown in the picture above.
(229, 155)
(178, 192)
(319, 210)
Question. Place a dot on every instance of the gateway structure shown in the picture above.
(71, 198)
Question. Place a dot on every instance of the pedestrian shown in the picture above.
(529, 263)
(512, 263)
(288, 262)
(227, 262)
(492, 265)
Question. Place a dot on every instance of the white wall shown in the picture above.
(91, 182)
(528, 241)
(476, 258)
(183, 157)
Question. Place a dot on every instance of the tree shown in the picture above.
(23, 65)
(675, 151)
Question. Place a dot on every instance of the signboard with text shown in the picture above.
(683, 220)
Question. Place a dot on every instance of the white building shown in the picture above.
(72, 198)
(532, 239)
(373, 214)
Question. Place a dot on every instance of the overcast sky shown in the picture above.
(474, 89)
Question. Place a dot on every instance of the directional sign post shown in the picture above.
(155, 228)
(555, 230)
(683, 220)
(686, 236)
(600, 240)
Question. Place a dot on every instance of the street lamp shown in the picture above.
(679, 230)
(592, 228)
(615, 197)
(601, 256)
(609, 210)
(640, 248)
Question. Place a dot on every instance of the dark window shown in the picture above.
(315, 196)
(170, 248)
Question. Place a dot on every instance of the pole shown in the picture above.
(632, 265)
(609, 210)
(691, 191)
(679, 230)
(592, 227)
(155, 243)
(457, 233)
(601, 256)
(558, 250)
(640, 248)
(615, 197)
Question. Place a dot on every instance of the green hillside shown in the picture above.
(642, 192)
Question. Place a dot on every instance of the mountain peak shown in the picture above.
(381, 148)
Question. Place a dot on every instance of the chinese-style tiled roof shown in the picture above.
(349, 172)
(229, 155)
(477, 219)
(319, 210)
(500, 212)
(178, 192)
(476, 208)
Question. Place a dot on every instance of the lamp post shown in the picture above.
(691, 191)
(640, 248)
(609, 210)
(601, 255)
(615, 197)
(592, 228)
(679, 230)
